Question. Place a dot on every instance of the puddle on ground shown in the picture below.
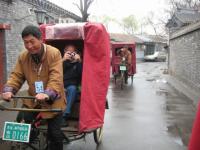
(174, 132)
(150, 79)
(161, 81)
(162, 92)
(180, 117)
(178, 140)
(171, 108)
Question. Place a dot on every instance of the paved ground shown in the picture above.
(149, 115)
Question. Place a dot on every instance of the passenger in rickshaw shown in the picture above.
(72, 71)
(126, 58)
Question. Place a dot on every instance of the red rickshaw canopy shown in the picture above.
(96, 67)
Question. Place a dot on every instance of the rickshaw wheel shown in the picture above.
(18, 146)
(98, 134)
(132, 80)
(43, 143)
(40, 144)
(122, 80)
(115, 78)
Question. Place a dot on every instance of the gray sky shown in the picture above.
(121, 8)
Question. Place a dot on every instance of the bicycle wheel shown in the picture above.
(43, 143)
(115, 78)
(131, 79)
(122, 79)
(98, 134)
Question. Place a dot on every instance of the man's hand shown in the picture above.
(7, 96)
(42, 97)
(77, 57)
(67, 56)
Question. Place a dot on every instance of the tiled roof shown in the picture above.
(188, 17)
(157, 38)
(49, 6)
(184, 16)
(118, 37)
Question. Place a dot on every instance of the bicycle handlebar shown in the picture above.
(3, 108)
(23, 97)
(29, 110)
(26, 97)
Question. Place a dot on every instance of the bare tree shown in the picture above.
(149, 21)
(83, 7)
(106, 20)
(129, 24)
(155, 23)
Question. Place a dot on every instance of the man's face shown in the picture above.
(69, 48)
(32, 44)
(122, 52)
(125, 49)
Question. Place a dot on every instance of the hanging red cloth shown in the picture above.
(194, 143)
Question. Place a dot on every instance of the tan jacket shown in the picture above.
(51, 75)
(128, 57)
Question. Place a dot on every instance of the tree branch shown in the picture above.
(83, 8)
(77, 6)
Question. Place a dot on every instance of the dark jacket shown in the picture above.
(72, 73)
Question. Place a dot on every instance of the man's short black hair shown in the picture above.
(125, 46)
(31, 30)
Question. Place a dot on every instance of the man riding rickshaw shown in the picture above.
(123, 61)
(87, 114)
(126, 60)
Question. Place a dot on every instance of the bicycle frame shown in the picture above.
(41, 134)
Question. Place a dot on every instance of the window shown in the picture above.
(46, 20)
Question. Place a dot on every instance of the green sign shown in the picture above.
(19, 132)
(122, 68)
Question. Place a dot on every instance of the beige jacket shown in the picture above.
(51, 74)
(128, 57)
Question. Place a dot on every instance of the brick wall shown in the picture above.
(184, 61)
(17, 13)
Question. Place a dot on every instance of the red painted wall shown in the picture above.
(2, 61)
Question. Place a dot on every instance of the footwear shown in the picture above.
(66, 116)
(126, 82)
(64, 123)
(55, 146)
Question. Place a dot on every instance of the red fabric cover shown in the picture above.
(194, 143)
(43, 30)
(95, 77)
(96, 68)
(69, 31)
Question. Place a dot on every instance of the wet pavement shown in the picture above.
(148, 115)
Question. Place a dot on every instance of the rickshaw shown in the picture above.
(88, 111)
(119, 68)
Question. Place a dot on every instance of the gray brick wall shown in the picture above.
(13, 14)
(17, 14)
(184, 61)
